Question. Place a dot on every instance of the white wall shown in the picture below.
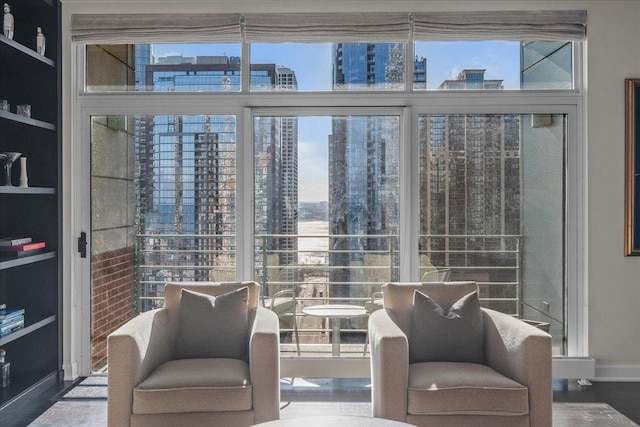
(612, 54)
(614, 280)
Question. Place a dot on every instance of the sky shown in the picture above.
(312, 64)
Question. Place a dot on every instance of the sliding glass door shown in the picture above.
(163, 208)
(326, 191)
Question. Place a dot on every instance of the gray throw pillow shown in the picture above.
(453, 336)
(213, 327)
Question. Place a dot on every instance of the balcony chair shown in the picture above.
(284, 304)
(446, 361)
(196, 361)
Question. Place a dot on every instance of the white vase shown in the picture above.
(7, 22)
(24, 180)
(41, 42)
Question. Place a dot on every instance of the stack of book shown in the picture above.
(18, 247)
(10, 320)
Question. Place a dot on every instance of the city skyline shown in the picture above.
(312, 61)
(315, 73)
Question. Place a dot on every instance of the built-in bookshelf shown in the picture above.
(31, 282)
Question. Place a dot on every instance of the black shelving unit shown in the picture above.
(33, 282)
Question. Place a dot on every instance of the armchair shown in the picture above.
(509, 385)
(149, 386)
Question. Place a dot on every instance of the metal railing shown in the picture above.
(345, 269)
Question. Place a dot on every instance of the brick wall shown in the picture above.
(112, 298)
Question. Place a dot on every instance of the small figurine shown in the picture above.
(41, 42)
(8, 22)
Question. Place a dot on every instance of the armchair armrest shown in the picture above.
(133, 351)
(264, 363)
(389, 366)
(523, 353)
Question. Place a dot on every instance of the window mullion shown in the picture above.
(245, 68)
(409, 65)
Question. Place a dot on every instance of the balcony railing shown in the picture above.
(322, 269)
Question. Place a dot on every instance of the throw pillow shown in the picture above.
(213, 326)
(453, 336)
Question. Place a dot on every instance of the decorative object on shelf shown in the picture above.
(8, 22)
(41, 41)
(23, 110)
(24, 179)
(4, 370)
(4, 105)
(6, 160)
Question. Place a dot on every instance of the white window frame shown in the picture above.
(408, 103)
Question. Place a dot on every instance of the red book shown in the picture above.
(25, 247)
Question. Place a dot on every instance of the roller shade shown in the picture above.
(156, 28)
(547, 25)
(326, 27)
(565, 25)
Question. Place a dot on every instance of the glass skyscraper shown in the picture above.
(363, 157)
(187, 176)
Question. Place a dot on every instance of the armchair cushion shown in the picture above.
(454, 336)
(444, 388)
(213, 326)
(195, 385)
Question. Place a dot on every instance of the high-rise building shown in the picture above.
(187, 190)
(470, 192)
(363, 159)
(471, 79)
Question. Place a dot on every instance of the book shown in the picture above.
(12, 325)
(24, 247)
(14, 241)
(11, 321)
(11, 329)
(8, 313)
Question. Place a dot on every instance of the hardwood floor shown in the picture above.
(352, 396)
(622, 396)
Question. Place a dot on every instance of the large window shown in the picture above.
(494, 65)
(329, 167)
(169, 184)
(492, 209)
(479, 65)
(326, 212)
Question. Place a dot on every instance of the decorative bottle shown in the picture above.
(8, 22)
(41, 42)
(4, 370)
(24, 179)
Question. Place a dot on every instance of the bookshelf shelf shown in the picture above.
(27, 190)
(11, 263)
(27, 330)
(26, 120)
(26, 51)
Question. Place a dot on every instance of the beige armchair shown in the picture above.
(149, 386)
(512, 386)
